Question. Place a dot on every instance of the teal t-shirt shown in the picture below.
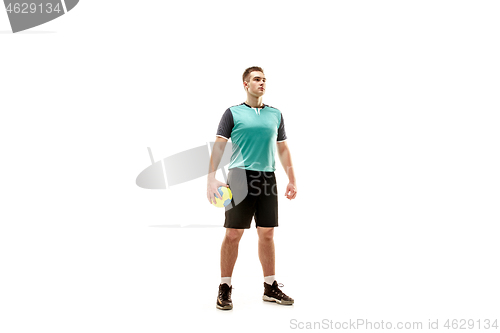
(254, 133)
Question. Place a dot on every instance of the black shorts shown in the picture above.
(255, 194)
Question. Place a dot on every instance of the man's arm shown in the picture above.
(286, 162)
(212, 183)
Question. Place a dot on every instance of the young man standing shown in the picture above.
(257, 131)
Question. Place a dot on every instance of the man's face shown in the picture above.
(256, 85)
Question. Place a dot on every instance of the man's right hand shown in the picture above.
(212, 186)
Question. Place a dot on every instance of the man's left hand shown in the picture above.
(291, 191)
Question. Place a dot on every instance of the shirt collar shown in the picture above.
(263, 105)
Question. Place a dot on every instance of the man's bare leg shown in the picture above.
(229, 251)
(266, 249)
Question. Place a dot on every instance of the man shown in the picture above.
(257, 131)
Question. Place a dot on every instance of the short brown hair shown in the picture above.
(249, 70)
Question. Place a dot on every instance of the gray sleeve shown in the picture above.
(281, 130)
(226, 125)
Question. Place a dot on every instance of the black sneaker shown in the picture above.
(273, 294)
(224, 299)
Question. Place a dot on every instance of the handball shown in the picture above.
(226, 195)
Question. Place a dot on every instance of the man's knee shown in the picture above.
(265, 234)
(234, 235)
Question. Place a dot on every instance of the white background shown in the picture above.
(392, 114)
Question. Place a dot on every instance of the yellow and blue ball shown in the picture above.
(226, 195)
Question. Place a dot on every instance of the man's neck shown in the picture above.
(254, 102)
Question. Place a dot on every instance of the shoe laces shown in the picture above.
(277, 290)
(225, 293)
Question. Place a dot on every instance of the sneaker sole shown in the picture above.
(272, 299)
(227, 307)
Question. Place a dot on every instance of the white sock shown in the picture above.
(269, 279)
(226, 280)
